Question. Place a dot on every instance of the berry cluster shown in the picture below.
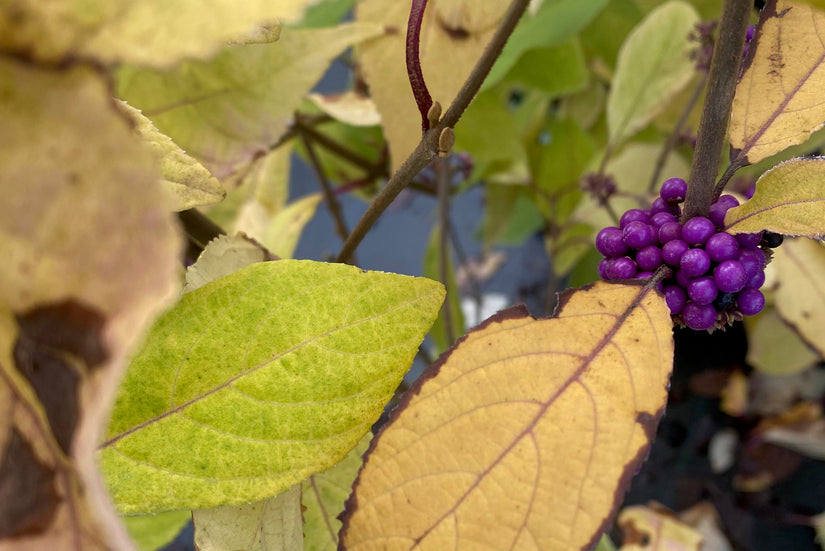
(714, 276)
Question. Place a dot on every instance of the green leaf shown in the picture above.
(260, 379)
(555, 22)
(229, 109)
(152, 532)
(510, 215)
(432, 269)
(556, 70)
(653, 66)
(325, 14)
(324, 495)
(789, 199)
(189, 183)
(151, 32)
(273, 524)
(603, 37)
(559, 162)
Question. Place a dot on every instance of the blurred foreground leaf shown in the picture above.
(526, 434)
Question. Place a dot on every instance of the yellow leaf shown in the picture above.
(453, 36)
(189, 183)
(524, 435)
(789, 199)
(151, 32)
(646, 529)
(774, 348)
(778, 101)
(800, 296)
(284, 229)
(349, 107)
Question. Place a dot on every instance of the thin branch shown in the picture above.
(442, 172)
(333, 146)
(428, 146)
(416, 76)
(722, 79)
(199, 229)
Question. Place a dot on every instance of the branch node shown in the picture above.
(434, 114)
(445, 141)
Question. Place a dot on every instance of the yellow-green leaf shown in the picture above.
(229, 109)
(523, 436)
(222, 256)
(283, 230)
(653, 65)
(151, 532)
(323, 498)
(789, 199)
(350, 107)
(800, 293)
(151, 32)
(189, 183)
(268, 525)
(260, 379)
(778, 100)
(774, 348)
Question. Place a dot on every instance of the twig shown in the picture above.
(677, 130)
(722, 78)
(416, 76)
(442, 172)
(332, 146)
(428, 146)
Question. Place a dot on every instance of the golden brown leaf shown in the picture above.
(525, 434)
(778, 101)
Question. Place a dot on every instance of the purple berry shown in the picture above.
(683, 279)
(675, 298)
(750, 301)
(752, 260)
(633, 215)
(695, 262)
(644, 275)
(604, 267)
(730, 276)
(637, 234)
(622, 268)
(661, 218)
(757, 280)
(660, 205)
(670, 231)
(702, 290)
(672, 251)
(748, 240)
(649, 258)
(673, 190)
(720, 207)
(609, 242)
(724, 302)
(697, 230)
(699, 316)
(722, 246)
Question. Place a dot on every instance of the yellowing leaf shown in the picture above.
(150, 32)
(800, 295)
(222, 256)
(284, 229)
(188, 181)
(349, 107)
(774, 348)
(260, 379)
(789, 199)
(778, 100)
(91, 253)
(645, 529)
(802, 429)
(453, 36)
(268, 525)
(229, 109)
(652, 67)
(525, 435)
(323, 498)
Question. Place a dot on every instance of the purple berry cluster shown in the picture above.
(714, 276)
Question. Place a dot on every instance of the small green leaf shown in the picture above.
(269, 525)
(653, 65)
(325, 14)
(789, 199)
(151, 532)
(260, 379)
(561, 69)
(603, 37)
(323, 497)
(432, 269)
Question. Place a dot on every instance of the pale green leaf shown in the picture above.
(603, 37)
(229, 109)
(555, 22)
(222, 256)
(605, 544)
(189, 183)
(789, 199)
(273, 524)
(323, 498)
(555, 70)
(260, 379)
(349, 107)
(774, 348)
(652, 67)
(432, 269)
(284, 229)
(151, 32)
(559, 161)
(151, 532)
(325, 13)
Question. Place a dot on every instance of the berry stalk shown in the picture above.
(722, 80)
(416, 76)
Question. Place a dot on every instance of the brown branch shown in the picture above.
(442, 172)
(722, 79)
(428, 146)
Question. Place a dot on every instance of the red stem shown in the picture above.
(419, 87)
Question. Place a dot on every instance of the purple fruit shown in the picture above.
(750, 301)
(660, 205)
(720, 207)
(699, 316)
(661, 218)
(748, 240)
(752, 260)
(697, 230)
(670, 231)
(757, 280)
(730, 276)
(633, 215)
(673, 190)
(695, 262)
(702, 290)
(649, 258)
(609, 242)
(622, 268)
(672, 251)
(675, 297)
(722, 246)
(637, 234)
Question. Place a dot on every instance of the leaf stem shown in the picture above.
(442, 172)
(722, 79)
(416, 76)
(333, 146)
(428, 146)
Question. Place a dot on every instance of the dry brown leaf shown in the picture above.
(656, 529)
(525, 434)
